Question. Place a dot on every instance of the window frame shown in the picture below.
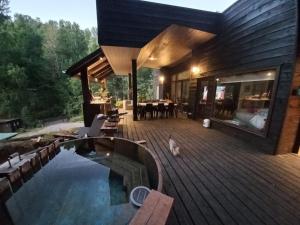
(265, 133)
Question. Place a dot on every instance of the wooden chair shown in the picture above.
(94, 130)
(161, 109)
(149, 109)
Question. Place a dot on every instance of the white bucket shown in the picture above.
(206, 123)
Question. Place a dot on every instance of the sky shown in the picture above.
(83, 12)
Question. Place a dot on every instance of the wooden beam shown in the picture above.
(134, 88)
(100, 70)
(85, 85)
(98, 67)
(100, 74)
(104, 75)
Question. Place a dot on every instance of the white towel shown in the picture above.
(173, 147)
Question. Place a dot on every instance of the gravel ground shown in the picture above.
(59, 127)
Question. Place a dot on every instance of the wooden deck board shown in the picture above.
(218, 179)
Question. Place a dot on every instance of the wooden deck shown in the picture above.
(219, 179)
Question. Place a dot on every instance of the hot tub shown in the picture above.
(87, 183)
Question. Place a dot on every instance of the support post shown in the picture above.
(85, 85)
(86, 96)
(129, 87)
(134, 89)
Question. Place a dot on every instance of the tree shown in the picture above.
(145, 84)
(4, 10)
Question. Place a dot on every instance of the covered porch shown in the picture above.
(218, 179)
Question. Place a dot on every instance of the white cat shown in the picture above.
(173, 147)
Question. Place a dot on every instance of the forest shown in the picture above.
(33, 58)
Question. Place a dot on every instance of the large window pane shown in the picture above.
(185, 90)
(244, 100)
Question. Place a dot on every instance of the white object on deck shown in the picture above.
(141, 142)
(138, 195)
(173, 147)
(206, 123)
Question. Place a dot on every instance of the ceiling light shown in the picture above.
(161, 79)
(152, 58)
(195, 70)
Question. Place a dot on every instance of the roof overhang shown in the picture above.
(156, 35)
(96, 64)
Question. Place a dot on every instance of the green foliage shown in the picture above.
(118, 87)
(33, 57)
(145, 84)
(4, 9)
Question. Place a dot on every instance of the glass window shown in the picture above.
(185, 90)
(244, 100)
(183, 76)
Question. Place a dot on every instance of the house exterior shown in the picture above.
(239, 68)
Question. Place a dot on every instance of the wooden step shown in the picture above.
(154, 211)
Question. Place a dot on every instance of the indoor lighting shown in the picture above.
(101, 58)
(269, 74)
(96, 79)
(162, 79)
(107, 154)
(218, 79)
(195, 70)
(152, 58)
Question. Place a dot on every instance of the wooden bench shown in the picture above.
(154, 211)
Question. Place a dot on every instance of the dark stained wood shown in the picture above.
(134, 88)
(218, 179)
(290, 132)
(154, 211)
(256, 35)
(85, 85)
(85, 62)
(133, 23)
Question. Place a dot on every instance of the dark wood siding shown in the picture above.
(257, 34)
(132, 23)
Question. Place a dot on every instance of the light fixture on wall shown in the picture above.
(161, 79)
(269, 74)
(195, 70)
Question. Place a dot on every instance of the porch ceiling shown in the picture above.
(96, 64)
(166, 49)
(133, 29)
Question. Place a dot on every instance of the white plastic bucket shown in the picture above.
(206, 123)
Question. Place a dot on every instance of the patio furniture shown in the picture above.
(149, 109)
(171, 110)
(94, 130)
(161, 109)
(10, 125)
